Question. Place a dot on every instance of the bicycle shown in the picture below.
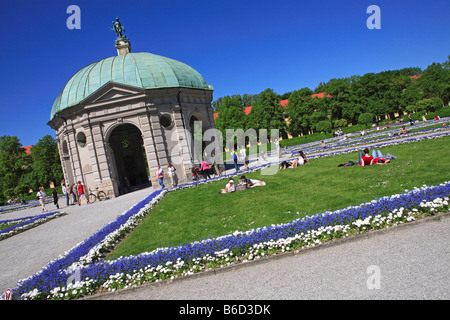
(101, 195)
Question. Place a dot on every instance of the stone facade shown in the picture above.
(122, 131)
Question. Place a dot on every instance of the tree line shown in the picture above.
(350, 100)
(21, 172)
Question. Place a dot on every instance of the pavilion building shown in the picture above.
(120, 118)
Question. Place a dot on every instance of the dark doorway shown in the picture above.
(129, 155)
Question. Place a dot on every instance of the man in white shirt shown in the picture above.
(64, 190)
(243, 153)
(41, 195)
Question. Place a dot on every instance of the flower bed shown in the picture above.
(96, 274)
(22, 224)
(165, 263)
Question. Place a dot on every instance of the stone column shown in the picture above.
(74, 156)
(183, 147)
(152, 138)
(99, 160)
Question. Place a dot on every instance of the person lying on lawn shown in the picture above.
(230, 187)
(378, 158)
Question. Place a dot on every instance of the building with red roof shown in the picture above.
(320, 95)
(27, 149)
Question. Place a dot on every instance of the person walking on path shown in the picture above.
(243, 153)
(204, 168)
(80, 189)
(41, 195)
(411, 121)
(66, 193)
(215, 164)
(69, 194)
(160, 176)
(235, 160)
(55, 198)
(74, 193)
(172, 175)
(277, 145)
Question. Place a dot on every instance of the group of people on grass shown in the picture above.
(367, 159)
(244, 184)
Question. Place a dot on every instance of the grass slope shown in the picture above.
(196, 213)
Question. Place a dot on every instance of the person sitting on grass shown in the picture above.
(294, 163)
(365, 158)
(298, 161)
(302, 158)
(230, 187)
(403, 131)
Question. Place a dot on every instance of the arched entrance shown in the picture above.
(129, 156)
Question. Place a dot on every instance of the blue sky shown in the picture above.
(239, 47)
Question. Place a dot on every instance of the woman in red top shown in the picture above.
(80, 190)
(366, 159)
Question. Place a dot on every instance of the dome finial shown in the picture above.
(122, 43)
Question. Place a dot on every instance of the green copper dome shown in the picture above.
(142, 70)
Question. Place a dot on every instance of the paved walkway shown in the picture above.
(24, 254)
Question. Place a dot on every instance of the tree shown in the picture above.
(249, 99)
(366, 118)
(232, 114)
(46, 165)
(340, 123)
(435, 81)
(285, 96)
(425, 105)
(411, 94)
(298, 112)
(267, 113)
(14, 164)
(323, 126)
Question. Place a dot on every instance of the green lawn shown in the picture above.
(197, 213)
